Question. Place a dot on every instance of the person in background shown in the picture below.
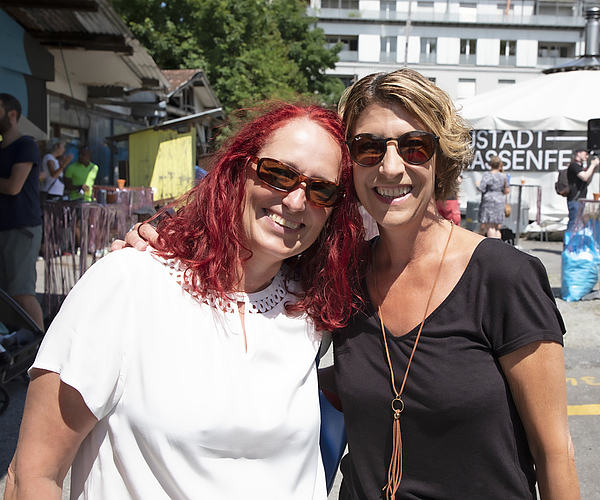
(189, 370)
(199, 173)
(494, 188)
(80, 176)
(579, 175)
(449, 209)
(54, 164)
(20, 212)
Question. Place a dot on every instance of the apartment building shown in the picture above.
(465, 46)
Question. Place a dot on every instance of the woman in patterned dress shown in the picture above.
(494, 188)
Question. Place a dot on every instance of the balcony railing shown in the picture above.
(442, 18)
(553, 61)
(348, 55)
(388, 56)
(430, 58)
(468, 59)
(508, 60)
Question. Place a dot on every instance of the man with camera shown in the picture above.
(579, 174)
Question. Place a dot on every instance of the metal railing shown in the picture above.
(451, 17)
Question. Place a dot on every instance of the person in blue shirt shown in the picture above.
(20, 212)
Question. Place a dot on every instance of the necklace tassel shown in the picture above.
(395, 470)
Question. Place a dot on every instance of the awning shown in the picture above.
(198, 117)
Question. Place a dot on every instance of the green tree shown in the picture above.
(250, 49)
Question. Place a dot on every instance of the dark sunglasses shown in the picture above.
(282, 177)
(416, 147)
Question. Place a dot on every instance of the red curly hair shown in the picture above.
(206, 233)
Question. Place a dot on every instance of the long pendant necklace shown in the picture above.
(395, 469)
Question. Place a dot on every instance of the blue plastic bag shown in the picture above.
(580, 263)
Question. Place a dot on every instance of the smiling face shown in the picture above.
(277, 224)
(393, 192)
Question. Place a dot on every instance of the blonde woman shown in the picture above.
(452, 380)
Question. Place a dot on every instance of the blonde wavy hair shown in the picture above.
(430, 105)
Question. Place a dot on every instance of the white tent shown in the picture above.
(556, 103)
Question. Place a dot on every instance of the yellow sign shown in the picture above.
(164, 160)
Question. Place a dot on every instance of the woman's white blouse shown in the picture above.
(184, 412)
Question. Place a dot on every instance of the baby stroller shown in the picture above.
(20, 338)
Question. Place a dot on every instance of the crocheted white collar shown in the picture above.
(255, 303)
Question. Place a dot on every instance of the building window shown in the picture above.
(468, 51)
(466, 88)
(339, 4)
(506, 82)
(550, 54)
(389, 49)
(567, 9)
(428, 50)
(349, 50)
(347, 80)
(508, 52)
(504, 6)
(387, 10)
(424, 4)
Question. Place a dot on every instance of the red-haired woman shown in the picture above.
(188, 370)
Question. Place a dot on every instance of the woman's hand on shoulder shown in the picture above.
(139, 237)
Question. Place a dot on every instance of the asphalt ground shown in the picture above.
(582, 363)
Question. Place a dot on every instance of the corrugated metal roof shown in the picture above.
(87, 24)
(56, 17)
(94, 48)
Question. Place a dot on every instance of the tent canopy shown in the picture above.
(558, 101)
(562, 101)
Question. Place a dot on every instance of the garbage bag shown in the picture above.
(580, 264)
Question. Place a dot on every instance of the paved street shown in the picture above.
(582, 360)
(582, 363)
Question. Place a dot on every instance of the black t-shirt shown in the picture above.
(23, 209)
(461, 435)
(577, 187)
